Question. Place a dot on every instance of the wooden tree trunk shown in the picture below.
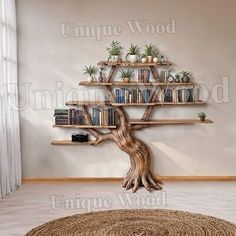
(139, 173)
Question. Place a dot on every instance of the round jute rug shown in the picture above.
(136, 223)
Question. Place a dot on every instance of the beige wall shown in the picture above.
(204, 43)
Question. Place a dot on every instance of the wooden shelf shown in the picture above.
(85, 126)
(158, 103)
(132, 104)
(117, 83)
(129, 64)
(86, 103)
(70, 143)
(170, 121)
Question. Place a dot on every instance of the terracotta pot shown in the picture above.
(126, 80)
(149, 59)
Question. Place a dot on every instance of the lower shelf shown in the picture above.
(69, 142)
(169, 121)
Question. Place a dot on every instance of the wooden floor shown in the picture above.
(32, 205)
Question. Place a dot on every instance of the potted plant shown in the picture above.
(133, 53)
(101, 76)
(114, 51)
(150, 51)
(202, 116)
(143, 58)
(177, 78)
(90, 71)
(186, 75)
(126, 75)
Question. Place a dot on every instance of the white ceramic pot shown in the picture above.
(149, 59)
(144, 60)
(115, 58)
(90, 79)
(132, 58)
(155, 59)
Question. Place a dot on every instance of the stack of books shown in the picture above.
(61, 116)
(124, 95)
(103, 116)
(144, 75)
(69, 117)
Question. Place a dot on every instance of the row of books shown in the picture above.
(104, 116)
(124, 95)
(69, 117)
(179, 95)
(144, 75)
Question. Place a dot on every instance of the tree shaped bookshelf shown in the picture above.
(122, 133)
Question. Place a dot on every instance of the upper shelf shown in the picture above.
(86, 103)
(129, 64)
(117, 83)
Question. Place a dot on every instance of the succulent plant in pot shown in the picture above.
(126, 75)
(90, 71)
(177, 78)
(143, 58)
(202, 116)
(186, 76)
(133, 54)
(150, 50)
(114, 51)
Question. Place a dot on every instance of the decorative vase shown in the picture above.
(149, 59)
(115, 58)
(132, 58)
(155, 59)
(144, 60)
(90, 78)
(185, 79)
(126, 80)
(100, 78)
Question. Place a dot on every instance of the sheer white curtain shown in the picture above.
(10, 157)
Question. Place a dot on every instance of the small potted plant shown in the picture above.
(133, 53)
(114, 51)
(202, 116)
(186, 75)
(90, 71)
(143, 58)
(150, 51)
(177, 78)
(126, 75)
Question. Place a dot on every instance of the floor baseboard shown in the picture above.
(112, 179)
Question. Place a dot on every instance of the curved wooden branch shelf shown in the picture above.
(129, 64)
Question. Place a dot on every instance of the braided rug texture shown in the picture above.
(136, 223)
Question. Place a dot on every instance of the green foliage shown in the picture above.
(133, 50)
(114, 49)
(201, 114)
(90, 70)
(150, 50)
(126, 73)
(186, 73)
